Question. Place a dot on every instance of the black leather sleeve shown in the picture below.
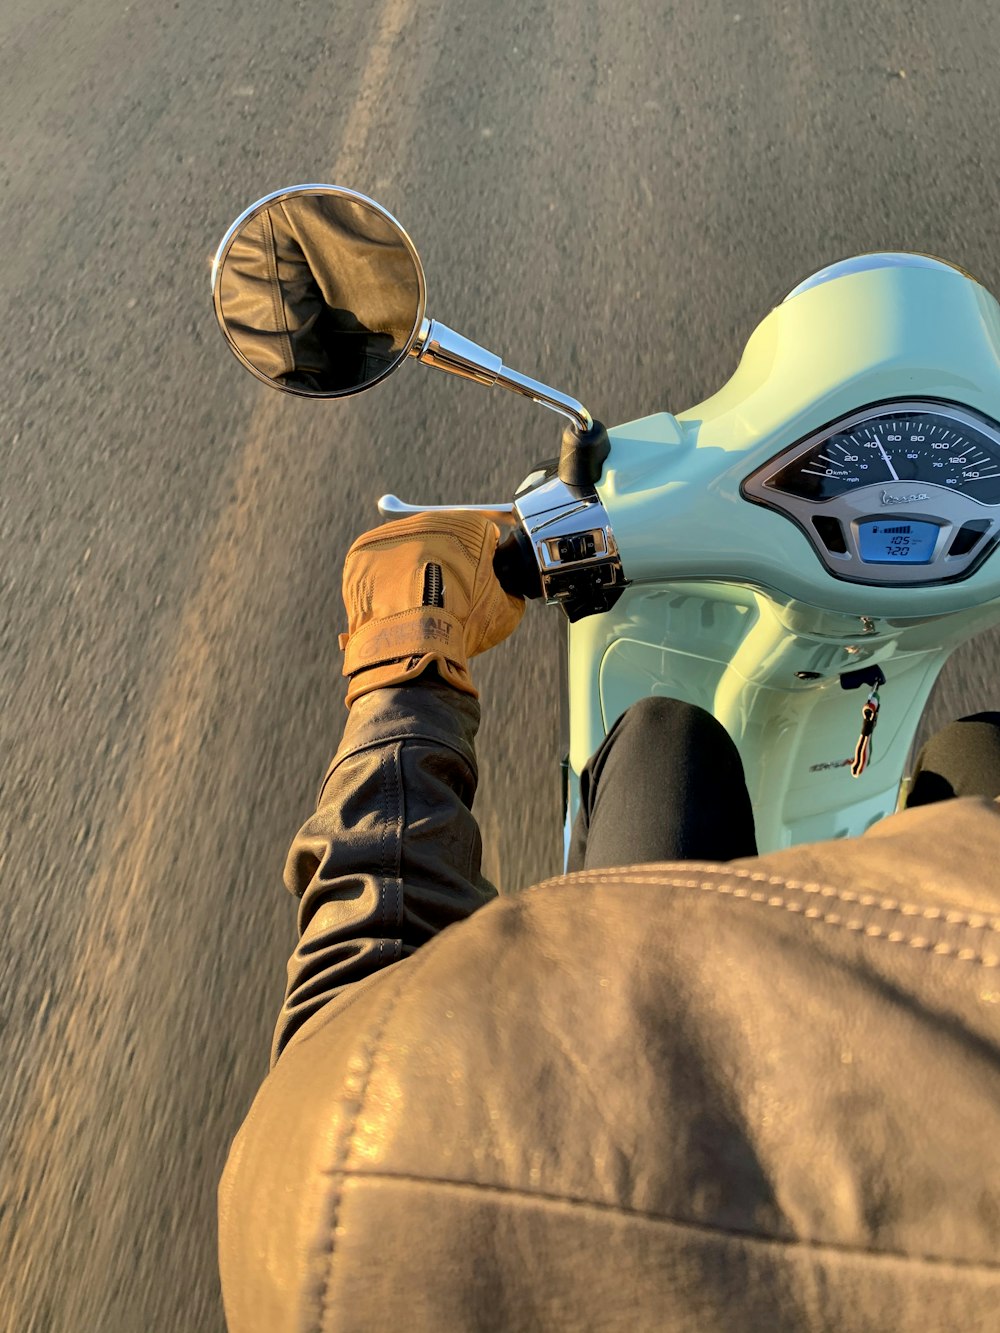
(392, 854)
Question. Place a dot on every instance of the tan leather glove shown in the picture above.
(422, 590)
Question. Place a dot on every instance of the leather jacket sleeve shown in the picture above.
(392, 854)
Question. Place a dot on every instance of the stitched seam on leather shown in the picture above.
(391, 787)
(369, 1057)
(385, 759)
(277, 305)
(397, 537)
(393, 740)
(393, 844)
(400, 738)
(817, 914)
(622, 1210)
(950, 917)
(370, 1054)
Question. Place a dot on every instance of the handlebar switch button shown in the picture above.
(580, 546)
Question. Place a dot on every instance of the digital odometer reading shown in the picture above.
(929, 449)
(883, 542)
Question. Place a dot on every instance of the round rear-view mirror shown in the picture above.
(318, 290)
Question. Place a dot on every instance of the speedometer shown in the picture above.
(926, 447)
(903, 492)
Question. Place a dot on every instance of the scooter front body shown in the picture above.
(738, 602)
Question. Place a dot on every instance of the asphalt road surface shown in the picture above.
(610, 196)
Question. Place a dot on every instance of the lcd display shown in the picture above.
(884, 542)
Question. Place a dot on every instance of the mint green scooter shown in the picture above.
(798, 555)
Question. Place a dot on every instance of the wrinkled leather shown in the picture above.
(761, 1095)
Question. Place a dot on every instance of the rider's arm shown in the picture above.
(392, 854)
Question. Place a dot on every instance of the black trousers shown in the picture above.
(667, 784)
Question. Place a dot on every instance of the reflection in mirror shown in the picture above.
(320, 292)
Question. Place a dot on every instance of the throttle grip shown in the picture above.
(514, 563)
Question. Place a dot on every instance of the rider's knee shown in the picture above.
(656, 712)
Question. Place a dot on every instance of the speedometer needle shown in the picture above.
(895, 474)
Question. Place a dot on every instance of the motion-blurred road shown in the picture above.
(611, 197)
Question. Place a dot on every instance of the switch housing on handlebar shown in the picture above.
(573, 545)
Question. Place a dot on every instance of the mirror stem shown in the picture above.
(437, 345)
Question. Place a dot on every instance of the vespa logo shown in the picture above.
(888, 499)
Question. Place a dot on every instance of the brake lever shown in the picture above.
(391, 506)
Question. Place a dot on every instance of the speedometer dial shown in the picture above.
(900, 493)
(926, 447)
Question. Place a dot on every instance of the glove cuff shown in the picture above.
(399, 673)
(415, 633)
(398, 648)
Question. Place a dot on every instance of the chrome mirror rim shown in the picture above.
(340, 192)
